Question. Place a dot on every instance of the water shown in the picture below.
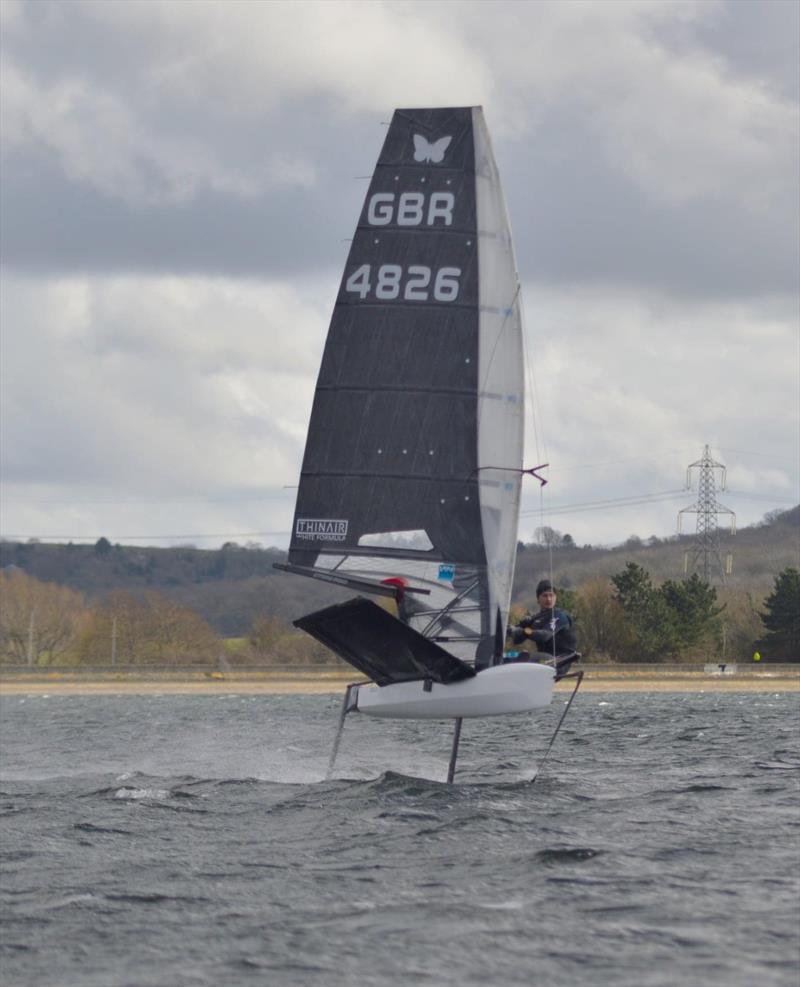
(192, 840)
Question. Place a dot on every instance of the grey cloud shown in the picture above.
(577, 215)
(575, 219)
(51, 225)
(204, 384)
(759, 40)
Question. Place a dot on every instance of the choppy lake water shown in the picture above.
(192, 840)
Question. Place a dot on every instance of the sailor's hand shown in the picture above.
(520, 633)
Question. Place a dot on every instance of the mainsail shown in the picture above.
(410, 482)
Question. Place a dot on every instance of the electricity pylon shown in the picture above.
(704, 556)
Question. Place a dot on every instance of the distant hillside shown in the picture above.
(232, 585)
(759, 552)
(228, 586)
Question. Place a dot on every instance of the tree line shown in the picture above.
(44, 623)
(630, 619)
(231, 585)
(625, 618)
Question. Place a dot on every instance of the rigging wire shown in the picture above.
(550, 572)
(534, 413)
(540, 442)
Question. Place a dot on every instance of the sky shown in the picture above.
(180, 181)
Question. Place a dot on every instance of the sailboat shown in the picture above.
(410, 484)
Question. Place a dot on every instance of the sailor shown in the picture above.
(550, 630)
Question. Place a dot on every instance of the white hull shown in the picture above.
(514, 688)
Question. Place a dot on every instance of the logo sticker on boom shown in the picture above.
(321, 529)
(425, 151)
(447, 573)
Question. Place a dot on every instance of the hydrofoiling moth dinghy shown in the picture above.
(410, 484)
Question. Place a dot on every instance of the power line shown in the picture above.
(592, 505)
(93, 538)
(767, 497)
(614, 462)
(762, 455)
(154, 501)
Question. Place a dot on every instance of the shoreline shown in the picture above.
(283, 683)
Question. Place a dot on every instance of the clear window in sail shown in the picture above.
(409, 541)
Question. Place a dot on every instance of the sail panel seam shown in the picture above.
(411, 478)
(394, 388)
(405, 303)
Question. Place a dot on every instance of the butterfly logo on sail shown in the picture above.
(425, 151)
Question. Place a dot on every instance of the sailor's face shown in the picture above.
(547, 600)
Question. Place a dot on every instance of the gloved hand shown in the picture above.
(519, 634)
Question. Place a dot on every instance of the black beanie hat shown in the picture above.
(543, 587)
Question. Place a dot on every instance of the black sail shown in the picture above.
(416, 426)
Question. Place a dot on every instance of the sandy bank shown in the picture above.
(59, 684)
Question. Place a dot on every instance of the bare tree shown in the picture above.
(149, 629)
(178, 633)
(601, 620)
(39, 621)
(547, 536)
